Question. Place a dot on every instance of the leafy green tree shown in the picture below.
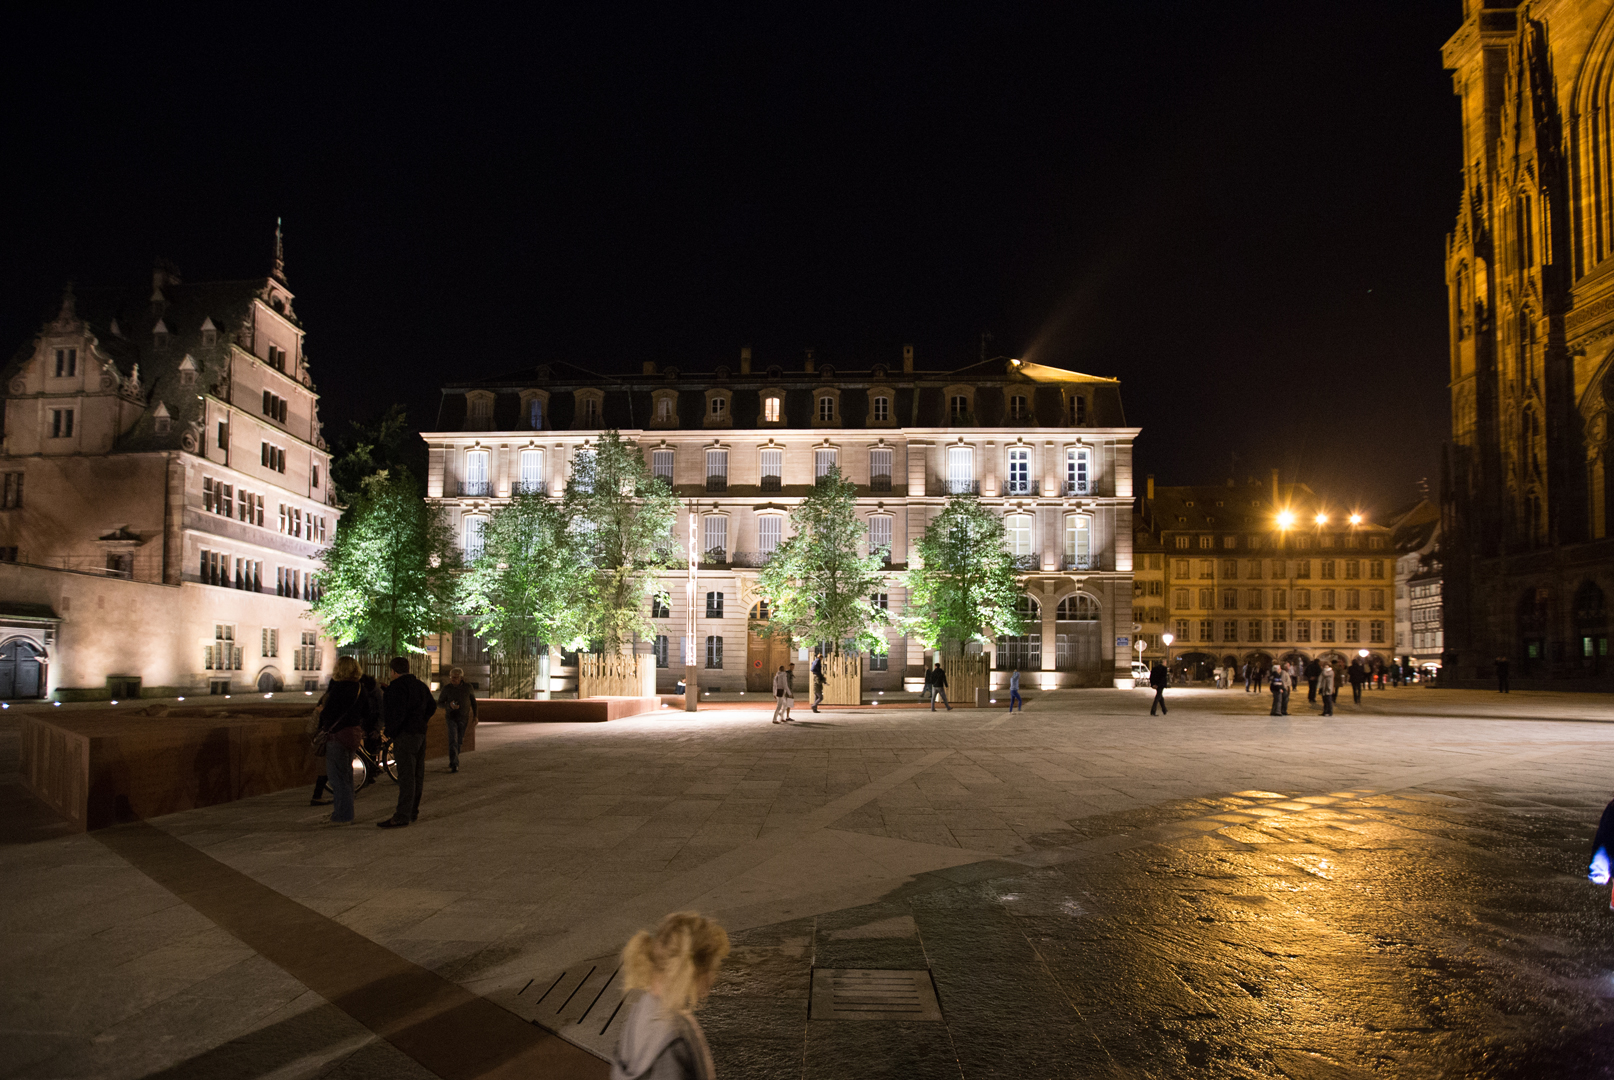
(529, 584)
(818, 586)
(388, 443)
(623, 517)
(963, 587)
(389, 574)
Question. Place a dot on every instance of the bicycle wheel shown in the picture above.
(386, 760)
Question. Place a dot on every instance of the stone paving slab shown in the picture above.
(1394, 891)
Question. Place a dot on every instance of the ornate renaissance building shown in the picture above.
(1527, 558)
(164, 494)
(1047, 448)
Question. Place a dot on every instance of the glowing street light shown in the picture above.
(1286, 519)
(1321, 518)
(1356, 519)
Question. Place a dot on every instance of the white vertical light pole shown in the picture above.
(691, 694)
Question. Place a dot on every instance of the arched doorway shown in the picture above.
(1077, 637)
(764, 655)
(1194, 666)
(1023, 651)
(269, 681)
(1591, 626)
(22, 669)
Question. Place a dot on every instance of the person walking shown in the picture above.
(1291, 679)
(781, 697)
(1358, 676)
(459, 707)
(938, 685)
(818, 678)
(1502, 674)
(1159, 678)
(929, 692)
(342, 721)
(1249, 682)
(1326, 687)
(409, 712)
(661, 1039)
(790, 688)
(1314, 671)
(1275, 683)
(1014, 691)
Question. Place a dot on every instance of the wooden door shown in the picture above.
(764, 656)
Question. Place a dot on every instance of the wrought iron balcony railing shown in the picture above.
(960, 487)
(880, 483)
(475, 488)
(1025, 563)
(717, 483)
(771, 482)
(1077, 487)
(1082, 562)
(750, 558)
(1022, 487)
(528, 487)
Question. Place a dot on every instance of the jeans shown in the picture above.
(1159, 700)
(1277, 701)
(1014, 696)
(1328, 704)
(1356, 692)
(456, 735)
(940, 692)
(339, 771)
(410, 752)
(1311, 691)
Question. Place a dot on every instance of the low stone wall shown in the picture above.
(593, 710)
(99, 767)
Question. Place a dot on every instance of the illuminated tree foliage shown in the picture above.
(818, 586)
(963, 587)
(622, 517)
(388, 578)
(530, 584)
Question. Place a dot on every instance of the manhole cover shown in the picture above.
(872, 994)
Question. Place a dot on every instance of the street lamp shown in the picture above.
(1321, 518)
(1286, 519)
(1166, 639)
(1356, 519)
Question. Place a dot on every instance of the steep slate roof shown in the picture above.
(918, 399)
(121, 321)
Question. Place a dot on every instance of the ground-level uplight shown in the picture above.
(268, 695)
(114, 703)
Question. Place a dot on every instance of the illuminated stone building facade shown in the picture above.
(1047, 448)
(164, 493)
(1247, 573)
(1420, 639)
(1527, 558)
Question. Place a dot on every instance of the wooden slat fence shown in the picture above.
(608, 675)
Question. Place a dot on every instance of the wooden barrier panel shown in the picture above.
(966, 673)
(565, 711)
(843, 679)
(607, 675)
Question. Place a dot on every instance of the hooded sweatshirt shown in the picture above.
(658, 1043)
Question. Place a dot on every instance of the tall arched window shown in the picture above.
(1018, 533)
(1076, 633)
(1078, 543)
(476, 473)
(1023, 652)
(1077, 471)
(474, 528)
(532, 473)
(1019, 479)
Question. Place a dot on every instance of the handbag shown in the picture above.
(318, 743)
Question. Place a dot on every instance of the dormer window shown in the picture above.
(826, 409)
(210, 333)
(771, 409)
(66, 363)
(719, 407)
(187, 371)
(1076, 410)
(958, 407)
(882, 409)
(1017, 407)
(535, 414)
(664, 410)
(159, 334)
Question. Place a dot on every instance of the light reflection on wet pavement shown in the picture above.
(1444, 931)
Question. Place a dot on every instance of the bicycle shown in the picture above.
(366, 765)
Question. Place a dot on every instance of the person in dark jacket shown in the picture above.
(459, 706)
(938, 688)
(375, 708)
(1314, 671)
(818, 679)
(1358, 676)
(342, 721)
(1159, 678)
(1280, 687)
(409, 711)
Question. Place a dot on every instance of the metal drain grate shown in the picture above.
(583, 1004)
(872, 994)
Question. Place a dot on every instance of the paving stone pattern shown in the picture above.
(1397, 891)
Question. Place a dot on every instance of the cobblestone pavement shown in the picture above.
(1395, 891)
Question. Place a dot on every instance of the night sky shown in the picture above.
(1237, 209)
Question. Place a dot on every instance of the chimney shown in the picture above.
(1275, 501)
(809, 360)
(745, 359)
(649, 367)
(907, 359)
(1148, 487)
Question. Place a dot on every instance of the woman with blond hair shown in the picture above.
(342, 721)
(676, 968)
